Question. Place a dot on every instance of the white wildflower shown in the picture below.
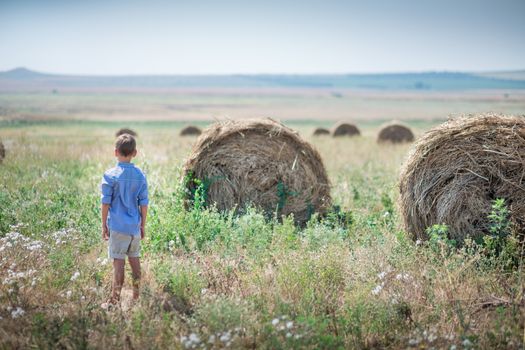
(194, 338)
(225, 337)
(413, 342)
(211, 340)
(34, 245)
(17, 313)
(377, 289)
(402, 276)
(467, 343)
(431, 337)
(288, 335)
(381, 275)
(68, 294)
(75, 276)
(289, 324)
(275, 321)
(102, 261)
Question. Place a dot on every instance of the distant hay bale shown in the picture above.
(190, 130)
(260, 163)
(2, 152)
(126, 131)
(345, 129)
(321, 131)
(395, 133)
(456, 170)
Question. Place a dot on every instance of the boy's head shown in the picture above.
(125, 146)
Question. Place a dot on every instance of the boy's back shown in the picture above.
(124, 188)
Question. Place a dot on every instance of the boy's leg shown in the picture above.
(134, 262)
(118, 278)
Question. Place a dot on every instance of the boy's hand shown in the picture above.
(142, 232)
(105, 233)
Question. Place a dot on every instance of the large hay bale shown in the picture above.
(345, 129)
(123, 131)
(190, 130)
(261, 163)
(395, 133)
(456, 170)
(321, 132)
(2, 152)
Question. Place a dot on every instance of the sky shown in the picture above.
(120, 37)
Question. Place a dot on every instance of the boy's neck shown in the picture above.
(124, 159)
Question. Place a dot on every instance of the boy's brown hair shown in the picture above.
(125, 144)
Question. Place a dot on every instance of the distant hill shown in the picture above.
(25, 79)
(23, 73)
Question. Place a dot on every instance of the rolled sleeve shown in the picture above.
(106, 188)
(143, 194)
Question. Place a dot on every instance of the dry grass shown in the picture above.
(321, 131)
(456, 170)
(2, 151)
(190, 130)
(345, 129)
(364, 286)
(261, 163)
(395, 132)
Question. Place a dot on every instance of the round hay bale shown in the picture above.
(190, 130)
(345, 129)
(321, 132)
(260, 163)
(395, 133)
(2, 152)
(123, 131)
(456, 170)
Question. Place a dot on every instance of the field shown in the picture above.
(28, 95)
(324, 105)
(215, 280)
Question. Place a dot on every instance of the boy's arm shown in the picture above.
(105, 231)
(106, 187)
(143, 203)
(143, 215)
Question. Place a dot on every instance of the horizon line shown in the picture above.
(22, 68)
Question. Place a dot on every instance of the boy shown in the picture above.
(124, 209)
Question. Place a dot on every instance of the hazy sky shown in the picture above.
(267, 36)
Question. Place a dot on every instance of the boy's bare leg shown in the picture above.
(135, 273)
(118, 278)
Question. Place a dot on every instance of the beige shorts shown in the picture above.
(121, 245)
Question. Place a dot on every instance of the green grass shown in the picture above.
(352, 281)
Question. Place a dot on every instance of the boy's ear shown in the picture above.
(134, 154)
(116, 152)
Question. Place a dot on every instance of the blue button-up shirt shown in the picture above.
(124, 188)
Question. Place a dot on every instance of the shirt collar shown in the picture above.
(125, 164)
